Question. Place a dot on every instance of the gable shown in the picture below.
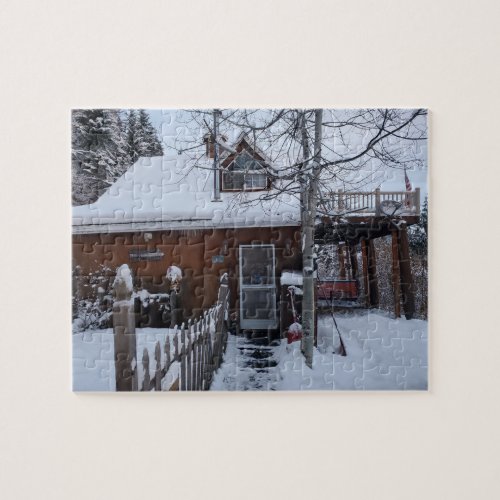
(245, 170)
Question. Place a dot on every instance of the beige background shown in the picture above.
(60, 54)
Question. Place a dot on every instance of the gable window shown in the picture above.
(244, 173)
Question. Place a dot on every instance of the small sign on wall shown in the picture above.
(217, 259)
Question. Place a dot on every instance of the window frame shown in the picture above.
(254, 172)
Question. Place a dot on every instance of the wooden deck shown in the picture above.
(356, 216)
(359, 204)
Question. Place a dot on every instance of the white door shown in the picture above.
(257, 287)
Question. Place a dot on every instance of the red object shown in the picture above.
(338, 289)
(294, 333)
(407, 182)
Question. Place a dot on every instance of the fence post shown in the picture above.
(176, 345)
(183, 359)
(377, 201)
(175, 310)
(200, 356)
(189, 362)
(210, 358)
(145, 366)
(158, 366)
(167, 354)
(124, 332)
(194, 366)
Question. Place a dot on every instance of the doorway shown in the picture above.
(257, 287)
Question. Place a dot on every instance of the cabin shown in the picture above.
(161, 214)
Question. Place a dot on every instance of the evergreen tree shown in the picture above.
(104, 145)
(132, 136)
(150, 144)
(141, 136)
(93, 150)
(418, 232)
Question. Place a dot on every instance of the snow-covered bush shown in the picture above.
(92, 300)
(93, 314)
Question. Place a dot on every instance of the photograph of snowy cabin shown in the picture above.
(188, 250)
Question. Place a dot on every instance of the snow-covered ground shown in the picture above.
(382, 354)
(93, 358)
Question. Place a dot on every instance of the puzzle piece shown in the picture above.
(189, 228)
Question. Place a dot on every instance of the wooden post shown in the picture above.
(145, 367)
(194, 371)
(407, 287)
(124, 336)
(183, 356)
(189, 363)
(372, 275)
(395, 274)
(340, 253)
(158, 374)
(167, 354)
(201, 359)
(364, 252)
(354, 262)
(175, 309)
(377, 201)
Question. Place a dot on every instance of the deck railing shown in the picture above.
(362, 203)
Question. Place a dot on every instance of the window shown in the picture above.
(244, 173)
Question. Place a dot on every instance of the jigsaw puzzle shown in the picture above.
(237, 249)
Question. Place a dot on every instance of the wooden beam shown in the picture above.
(366, 287)
(340, 253)
(354, 261)
(407, 287)
(372, 275)
(395, 274)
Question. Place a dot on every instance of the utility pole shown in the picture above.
(308, 226)
(216, 194)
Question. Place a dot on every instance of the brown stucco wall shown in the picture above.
(192, 251)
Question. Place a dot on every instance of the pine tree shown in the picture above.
(150, 145)
(141, 136)
(132, 136)
(418, 233)
(104, 145)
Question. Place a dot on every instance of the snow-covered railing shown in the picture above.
(362, 203)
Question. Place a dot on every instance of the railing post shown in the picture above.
(377, 201)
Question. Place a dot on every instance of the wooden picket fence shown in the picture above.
(192, 352)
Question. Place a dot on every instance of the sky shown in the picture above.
(393, 180)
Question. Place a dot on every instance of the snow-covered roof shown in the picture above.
(168, 193)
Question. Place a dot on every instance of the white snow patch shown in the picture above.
(124, 275)
(174, 273)
(291, 278)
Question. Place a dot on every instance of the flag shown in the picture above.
(407, 182)
(408, 190)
